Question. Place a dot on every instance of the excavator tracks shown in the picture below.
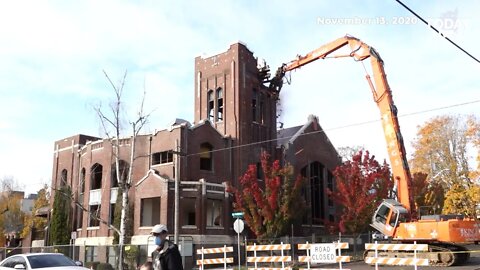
(437, 255)
(447, 255)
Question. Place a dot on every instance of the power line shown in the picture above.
(436, 30)
(339, 127)
(441, 108)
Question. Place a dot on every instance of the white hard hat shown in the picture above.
(159, 228)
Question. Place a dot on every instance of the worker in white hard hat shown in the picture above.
(166, 256)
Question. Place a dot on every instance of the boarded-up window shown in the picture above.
(206, 157)
(149, 211)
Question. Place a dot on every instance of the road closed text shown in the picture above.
(322, 253)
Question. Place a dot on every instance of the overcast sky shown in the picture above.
(52, 55)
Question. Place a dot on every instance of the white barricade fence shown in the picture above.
(396, 261)
(323, 253)
(268, 259)
(224, 260)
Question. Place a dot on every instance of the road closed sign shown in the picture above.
(322, 253)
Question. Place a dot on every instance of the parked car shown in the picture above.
(44, 261)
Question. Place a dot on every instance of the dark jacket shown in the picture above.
(167, 257)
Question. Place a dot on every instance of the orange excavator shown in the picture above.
(397, 220)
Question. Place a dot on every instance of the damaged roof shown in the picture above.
(284, 135)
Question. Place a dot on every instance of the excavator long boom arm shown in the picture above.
(382, 96)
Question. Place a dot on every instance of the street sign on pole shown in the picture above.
(238, 225)
(237, 214)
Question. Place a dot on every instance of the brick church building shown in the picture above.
(235, 120)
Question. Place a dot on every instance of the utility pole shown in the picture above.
(177, 192)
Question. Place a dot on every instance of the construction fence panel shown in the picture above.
(215, 260)
(377, 260)
(337, 252)
(269, 256)
(94, 255)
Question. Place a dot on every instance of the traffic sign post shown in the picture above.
(237, 214)
(323, 253)
(238, 226)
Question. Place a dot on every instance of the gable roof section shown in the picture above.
(287, 136)
(152, 173)
(284, 135)
(207, 123)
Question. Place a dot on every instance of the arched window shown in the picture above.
(123, 169)
(219, 95)
(315, 192)
(96, 176)
(206, 159)
(63, 178)
(81, 184)
(210, 105)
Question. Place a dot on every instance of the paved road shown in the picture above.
(473, 264)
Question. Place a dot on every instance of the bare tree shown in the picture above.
(9, 184)
(347, 152)
(111, 121)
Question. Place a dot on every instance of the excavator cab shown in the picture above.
(388, 215)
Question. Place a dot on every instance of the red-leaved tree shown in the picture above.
(272, 204)
(361, 184)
